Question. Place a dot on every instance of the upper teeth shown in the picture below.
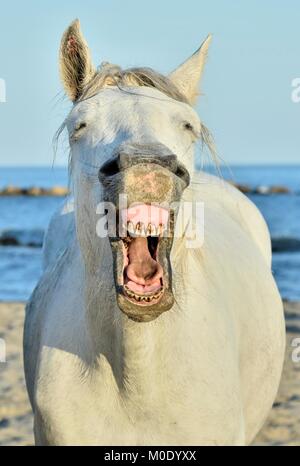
(151, 230)
(142, 230)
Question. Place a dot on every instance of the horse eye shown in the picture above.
(80, 126)
(188, 126)
(76, 132)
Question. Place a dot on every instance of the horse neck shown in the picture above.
(140, 355)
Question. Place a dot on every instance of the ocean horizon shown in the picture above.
(24, 219)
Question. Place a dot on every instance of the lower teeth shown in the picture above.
(142, 298)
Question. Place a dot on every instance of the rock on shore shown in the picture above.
(34, 191)
(261, 189)
(63, 191)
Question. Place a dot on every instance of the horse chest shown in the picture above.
(104, 415)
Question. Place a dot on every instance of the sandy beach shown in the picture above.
(282, 426)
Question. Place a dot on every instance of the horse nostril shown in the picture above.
(183, 174)
(121, 161)
(109, 168)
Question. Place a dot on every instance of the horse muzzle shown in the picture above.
(152, 181)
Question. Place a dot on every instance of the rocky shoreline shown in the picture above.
(63, 191)
(34, 191)
(262, 189)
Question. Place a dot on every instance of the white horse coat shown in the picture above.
(205, 372)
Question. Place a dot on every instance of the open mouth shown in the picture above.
(145, 227)
(143, 275)
(152, 178)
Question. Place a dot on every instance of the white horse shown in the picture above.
(145, 338)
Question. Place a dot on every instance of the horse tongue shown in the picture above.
(142, 268)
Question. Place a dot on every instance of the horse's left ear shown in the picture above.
(188, 75)
(76, 68)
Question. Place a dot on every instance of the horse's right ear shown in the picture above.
(76, 68)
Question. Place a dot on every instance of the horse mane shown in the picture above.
(113, 75)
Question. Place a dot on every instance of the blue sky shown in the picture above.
(247, 104)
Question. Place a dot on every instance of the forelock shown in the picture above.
(112, 75)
